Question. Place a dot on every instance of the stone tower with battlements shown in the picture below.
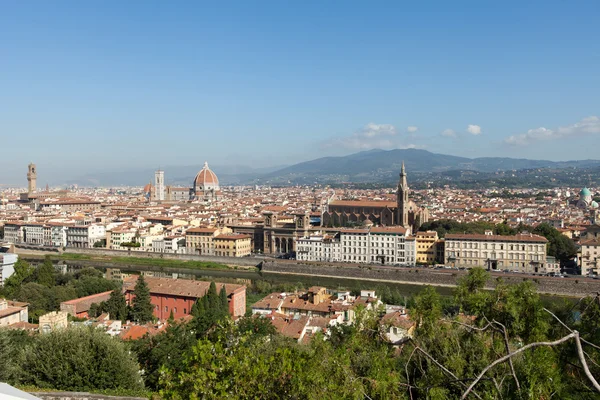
(31, 178)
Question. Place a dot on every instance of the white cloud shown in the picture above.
(474, 129)
(448, 133)
(412, 129)
(589, 125)
(372, 136)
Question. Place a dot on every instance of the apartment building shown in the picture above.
(33, 233)
(426, 247)
(201, 240)
(355, 245)
(410, 251)
(383, 245)
(589, 260)
(233, 245)
(85, 235)
(119, 235)
(14, 232)
(523, 252)
(7, 264)
(387, 245)
(319, 247)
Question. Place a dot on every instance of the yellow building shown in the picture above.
(201, 240)
(426, 247)
(233, 245)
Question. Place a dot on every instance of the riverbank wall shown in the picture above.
(575, 287)
(105, 253)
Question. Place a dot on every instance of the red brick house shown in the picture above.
(179, 295)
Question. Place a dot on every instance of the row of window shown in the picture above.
(496, 246)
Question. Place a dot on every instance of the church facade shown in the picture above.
(403, 212)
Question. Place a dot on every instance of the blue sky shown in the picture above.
(87, 86)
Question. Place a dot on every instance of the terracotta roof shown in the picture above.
(397, 319)
(269, 302)
(83, 304)
(179, 287)
(206, 176)
(201, 230)
(388, 229)
(591, 242)
(233, 236)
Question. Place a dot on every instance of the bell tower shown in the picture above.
(402, 199)
(31, 178)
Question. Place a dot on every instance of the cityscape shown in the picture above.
(308, 201)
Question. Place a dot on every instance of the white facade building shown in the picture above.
(319, 248)
(7, 265)
(410, 249)
(387, 245)
(523, 252)
(13, 232)
(382, 245)
(33, 234)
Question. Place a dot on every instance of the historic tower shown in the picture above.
(31, 178)
(159, 185)
(402, 199)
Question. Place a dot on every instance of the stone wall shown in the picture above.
(240, 261)
(423, 276)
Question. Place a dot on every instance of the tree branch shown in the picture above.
(514, 353)
(584, 363)
(445, 369)
(512, 367)
(571, 330)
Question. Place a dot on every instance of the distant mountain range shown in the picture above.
(383, 165)
(364, 167)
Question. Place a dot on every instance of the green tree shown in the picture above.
(167, 349)
(23, 274)
(45, 273)
(12, 343)
(41, 299)
(87, 285)
(559, 245)
(470, 295)
(79, 359)
(116, 305)
(142, 308)
(224, 301)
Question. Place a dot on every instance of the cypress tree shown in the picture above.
(212, 297)
(224, 302)
(116, 305)
(142, 310)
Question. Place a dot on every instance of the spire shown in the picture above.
(402, 171)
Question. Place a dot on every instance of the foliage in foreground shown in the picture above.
(74, 359)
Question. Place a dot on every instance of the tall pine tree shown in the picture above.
(224, 301)
(142, 310)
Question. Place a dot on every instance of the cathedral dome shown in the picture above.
(148, 188)
(206, 179)
(585, 192)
